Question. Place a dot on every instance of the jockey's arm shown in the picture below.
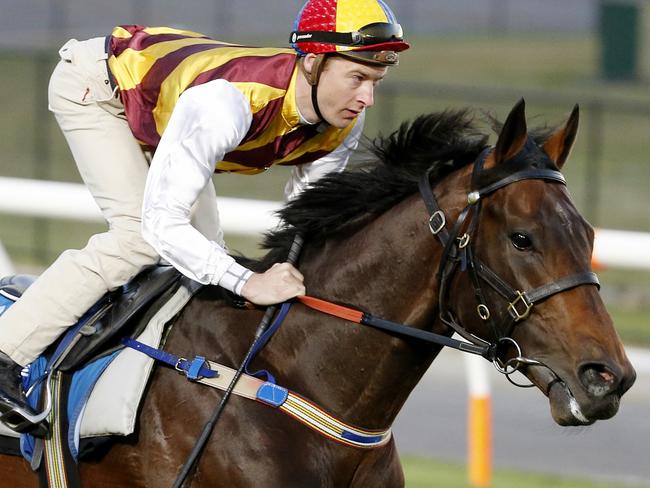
(283, 277)
(208, 121)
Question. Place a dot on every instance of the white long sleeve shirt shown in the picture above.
(208, 121)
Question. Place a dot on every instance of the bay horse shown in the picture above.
(368, 242)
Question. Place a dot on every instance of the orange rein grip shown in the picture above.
(331, 308)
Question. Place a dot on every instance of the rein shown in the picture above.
(359, 317)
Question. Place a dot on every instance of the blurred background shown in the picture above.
(484, 54)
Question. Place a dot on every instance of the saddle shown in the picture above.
(108, 317)
(88, 348)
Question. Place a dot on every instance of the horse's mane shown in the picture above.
(441, 142)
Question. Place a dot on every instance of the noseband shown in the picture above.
(458, 253)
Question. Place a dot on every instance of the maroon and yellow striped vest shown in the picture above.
(152, 66)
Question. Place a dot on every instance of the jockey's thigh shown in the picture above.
(110, 160)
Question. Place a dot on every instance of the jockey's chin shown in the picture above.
(343, 118)
(342, 115)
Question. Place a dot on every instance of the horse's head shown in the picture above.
(531, 254)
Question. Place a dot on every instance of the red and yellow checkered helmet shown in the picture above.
(362, 29)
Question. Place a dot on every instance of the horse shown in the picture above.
(372, 241)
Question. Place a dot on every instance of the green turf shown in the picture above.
(428, 473)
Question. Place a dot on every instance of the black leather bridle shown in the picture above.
(458, 253)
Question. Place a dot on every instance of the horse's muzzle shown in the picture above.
(595, 396)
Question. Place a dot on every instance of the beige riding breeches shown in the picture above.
(114, 168)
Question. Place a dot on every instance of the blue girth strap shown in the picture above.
(194, 370)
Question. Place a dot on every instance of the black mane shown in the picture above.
(443, 142)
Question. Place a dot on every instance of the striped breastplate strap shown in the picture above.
(219, 376)
(299, 408)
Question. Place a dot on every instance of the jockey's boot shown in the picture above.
(15, 412)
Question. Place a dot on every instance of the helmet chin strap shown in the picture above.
(313, 79)
(314, 102)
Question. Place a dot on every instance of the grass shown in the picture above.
(428, 473)
(633, 324)
(565, 63)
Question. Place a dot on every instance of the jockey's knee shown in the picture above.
(121, 254)
(134, 247)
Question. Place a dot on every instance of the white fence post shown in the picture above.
(6, 266)
(479, 422)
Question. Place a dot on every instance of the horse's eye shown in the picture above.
(520, 241)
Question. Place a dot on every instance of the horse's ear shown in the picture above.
(558, 146)
(513, 134)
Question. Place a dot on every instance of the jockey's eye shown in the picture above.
(521, 241)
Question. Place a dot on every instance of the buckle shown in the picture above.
(178, 367)
(512, 307)
(483, 311)
(440, 215)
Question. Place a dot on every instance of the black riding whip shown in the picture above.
(294, 253)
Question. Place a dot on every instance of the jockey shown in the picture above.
(204, 106)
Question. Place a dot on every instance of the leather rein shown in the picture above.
(458, 241)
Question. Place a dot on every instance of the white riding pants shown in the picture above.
(114, 168)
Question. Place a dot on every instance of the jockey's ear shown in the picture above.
(514, 134)
(558, 146)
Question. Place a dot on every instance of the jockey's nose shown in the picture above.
(367, 94)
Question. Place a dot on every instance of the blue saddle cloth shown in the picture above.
(107, 316)
(83, 382)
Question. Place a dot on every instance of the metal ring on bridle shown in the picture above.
(483, 311)
(504, 368)
(463, 241)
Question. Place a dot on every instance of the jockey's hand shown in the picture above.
(277, 284)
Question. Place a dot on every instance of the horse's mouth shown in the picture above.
(566, 410)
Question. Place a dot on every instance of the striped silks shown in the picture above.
(154, 65)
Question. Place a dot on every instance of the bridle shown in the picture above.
(458, 243)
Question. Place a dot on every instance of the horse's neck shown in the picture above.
(388, 269)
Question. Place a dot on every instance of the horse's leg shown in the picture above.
(15, 472)
(380, 467)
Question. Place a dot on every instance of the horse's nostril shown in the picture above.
(598, 379)
(606, 376)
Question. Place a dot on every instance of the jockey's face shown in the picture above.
(346, 88)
